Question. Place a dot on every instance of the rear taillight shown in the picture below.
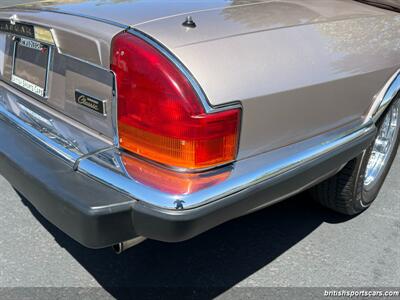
(159, 114)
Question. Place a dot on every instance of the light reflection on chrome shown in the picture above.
(172, 182)
(383, 146)
(63, 134)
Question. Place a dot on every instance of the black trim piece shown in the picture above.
(384, 4)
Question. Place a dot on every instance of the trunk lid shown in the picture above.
(214, 19)
(84, 29)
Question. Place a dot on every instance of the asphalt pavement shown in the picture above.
(295, 243)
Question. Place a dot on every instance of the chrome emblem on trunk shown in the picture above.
(17, 28)
(91, 103)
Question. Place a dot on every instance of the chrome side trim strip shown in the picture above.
(243, 174)
(385, 97)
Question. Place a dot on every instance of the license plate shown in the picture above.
(31, 61)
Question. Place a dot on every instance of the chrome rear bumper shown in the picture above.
(101, 196)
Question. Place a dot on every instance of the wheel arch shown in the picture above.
(385, 97)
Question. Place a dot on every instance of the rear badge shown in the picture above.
(30, 31)
(17, 28)
(91, 103)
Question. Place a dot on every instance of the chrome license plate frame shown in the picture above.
(39, 52)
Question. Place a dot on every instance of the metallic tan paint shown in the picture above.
(299, 68)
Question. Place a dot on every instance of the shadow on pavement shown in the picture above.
(205, 266)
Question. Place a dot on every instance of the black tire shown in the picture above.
(345, 192)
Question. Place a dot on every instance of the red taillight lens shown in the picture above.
(159, 114)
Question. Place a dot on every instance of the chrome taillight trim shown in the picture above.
(189, 76)
(209, 109)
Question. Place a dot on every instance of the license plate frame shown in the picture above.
(39, 52)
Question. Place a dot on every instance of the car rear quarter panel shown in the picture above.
(298, 81)
(299, 68)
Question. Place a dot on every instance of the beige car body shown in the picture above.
(311, 78)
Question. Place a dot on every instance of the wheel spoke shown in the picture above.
(383, 146)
